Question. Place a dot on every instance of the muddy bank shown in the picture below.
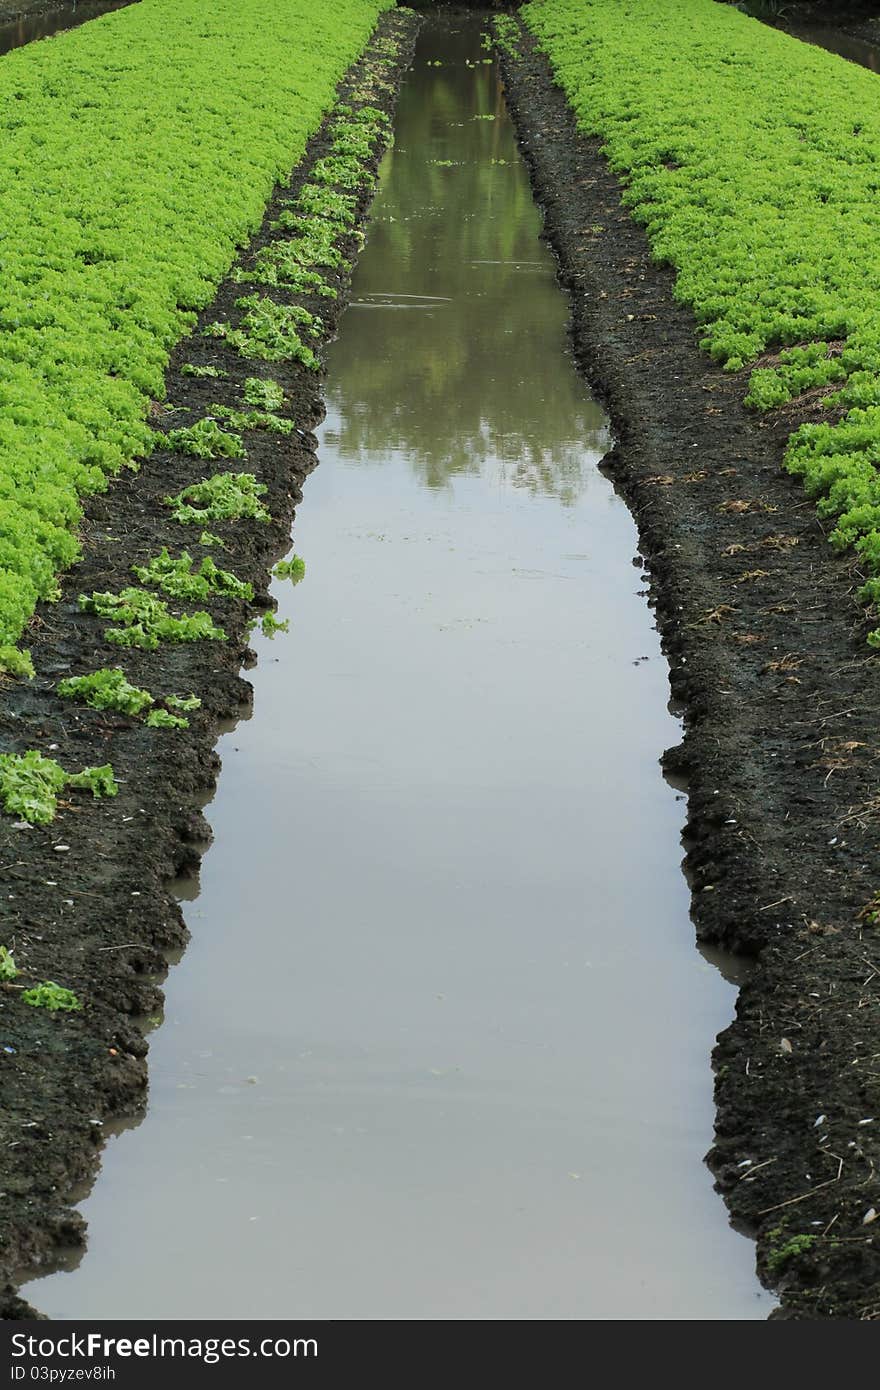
(87, 900)
(768, 658)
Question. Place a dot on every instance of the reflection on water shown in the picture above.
(439, 1047)
(446, 337)
(27, 28)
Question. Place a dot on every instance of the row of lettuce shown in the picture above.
(313, 227)
(753, 161)
(136, 154)
(305, 242)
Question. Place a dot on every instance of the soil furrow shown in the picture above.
(768, 660)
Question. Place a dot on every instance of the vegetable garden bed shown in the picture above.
(138, 659)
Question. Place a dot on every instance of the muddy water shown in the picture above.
(857, 50)
(17, 32)
(440, 1045)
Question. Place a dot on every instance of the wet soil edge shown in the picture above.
(28, 9)
(88, 901)
(780, 696)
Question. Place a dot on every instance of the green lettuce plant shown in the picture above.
(142, 150)
(752, 161)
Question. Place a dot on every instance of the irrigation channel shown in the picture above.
(857, 50)
(439, 1047)
(15, 33)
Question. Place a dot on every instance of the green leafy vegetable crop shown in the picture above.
(187, 702)
(178, 579)
(136, 154)
(53, 997)
(188, 369)
(206, 440)
(253, 419)
(293, 569)
(97, 780)
(108, 689)
(144, 620)
(320, 201)
(269, 331)
(164, 719)
(265, 394)
(30, 784)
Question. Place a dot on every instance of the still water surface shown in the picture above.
(440, 1045)
(15, 33)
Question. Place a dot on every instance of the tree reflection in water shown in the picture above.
(453, 343)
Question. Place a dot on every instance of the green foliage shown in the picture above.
(178, 579)
(206, 440)
(293, 569)
(223, 497)
(339, 171)
(319, 201)
(109, 689)
(188, 702)
(291, 264)
(783, 1254)
(753, 161)
(30, 784)
(253, 419)
(97, 780)
(314, 243)
(269, 331)
(106, 689)
(768, 10)
(263, 392)
(8, 968)
(14, 662)
(507, 34)
(141, 150)
(145, 621)
(53, 997)
(189, 370)
(270, 625)
(208, 538)
(164, 719)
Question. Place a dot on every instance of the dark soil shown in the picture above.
(768, 659)
(859, 21)
(88, 900)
